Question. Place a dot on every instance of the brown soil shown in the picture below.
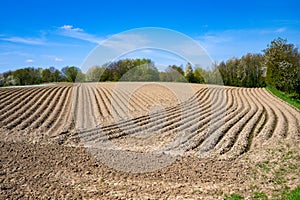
(235, 140)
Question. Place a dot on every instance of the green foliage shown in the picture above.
(283, 66)
(263, 166)
(260, 196)
(189, 74)
(200, 75)
(27, 76)
(233, 197)
(94, 74)
(244, 72)
(293, 101)
(144, 72)
(294, 194)
(73, 74)
(279, 67)
(116, 70)
(173, 73)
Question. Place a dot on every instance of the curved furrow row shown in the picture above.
(160, 126)
(63, 118)
(216, 134)
(136, 100)
(47, 114)
(292, 116)
(144, 97)
(4, 92)
(159, 117)
(15, 104)
(231, 135)
(56, 115)
(75, 103)
(118, 106)
(80, 108)
(106, 113)
(98, 107)
(245, 136)
(260, 121)
(271, 119)
(169, 121)
(125, 99)
(93, 113)
(140, 120)
(68, 124)
(11, 95)
(282, 123)
(136, 125)
(26, 107)
(125, 125)
(263, 118)
(203, 132)
(39, 110)
(216, 121)
(114, 114)
(196, 126)
(134, 104)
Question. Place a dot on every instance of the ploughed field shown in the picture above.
(206, 125)
(208, 120)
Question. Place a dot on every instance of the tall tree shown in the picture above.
(283, 65)
(72, 73)
(189, 74)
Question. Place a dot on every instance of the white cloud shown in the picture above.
(280, 30)
(29, 61)
(18, 53)
(70, 27)
(78, 33)
(58, 59)
(214, 38)
(30, 41)
(125, 42)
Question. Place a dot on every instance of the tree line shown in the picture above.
(278, 66)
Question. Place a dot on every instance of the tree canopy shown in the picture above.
(278, 67)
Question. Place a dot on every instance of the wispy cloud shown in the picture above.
(125, 42)
(29, 41)
(29, 61)
(78, 33)
(214, 38)
(280, 30)
(56, 59)
(236, 42)
(15, 53)
(269, 31)
(53, 58)
(70, 27)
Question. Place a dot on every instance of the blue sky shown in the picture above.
(60, 33)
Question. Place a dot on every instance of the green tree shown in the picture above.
(172, 73)
(189, 74)
(2, 80)
(146, 72)
(73, 74)
(283, 65)
(27, 76)
(199, 75)
(94, 74)
(250, 71)
(46, 76)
